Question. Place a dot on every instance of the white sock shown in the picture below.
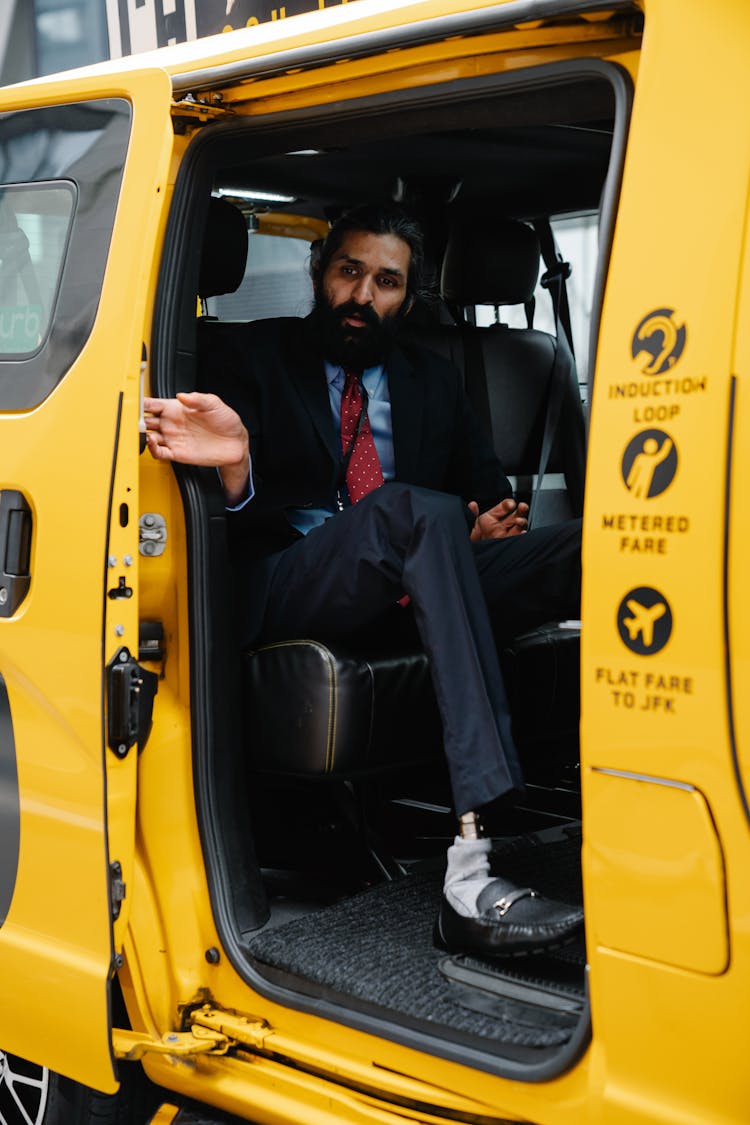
(467, 875)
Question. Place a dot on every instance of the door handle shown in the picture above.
(15, 550)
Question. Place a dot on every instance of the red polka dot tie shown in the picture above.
(363, 472)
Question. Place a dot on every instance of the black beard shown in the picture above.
(347, 346)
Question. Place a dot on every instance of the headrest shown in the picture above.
(498, 265)
(224, 250)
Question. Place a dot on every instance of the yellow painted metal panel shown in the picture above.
(738, 548)
(164, 1115)
(657, 860)
(655, 702)
(73, 456)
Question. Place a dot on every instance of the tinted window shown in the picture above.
(276, 282)
(60, 174)
(34, 227)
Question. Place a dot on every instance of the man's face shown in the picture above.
(360, 297)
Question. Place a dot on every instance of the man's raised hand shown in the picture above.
(200, 429)
(506, 518)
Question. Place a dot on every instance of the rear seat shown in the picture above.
(329, 709)
(508, 372)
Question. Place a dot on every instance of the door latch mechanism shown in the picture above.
(130, 697)
(152, 534)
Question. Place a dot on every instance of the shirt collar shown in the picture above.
(335, 373)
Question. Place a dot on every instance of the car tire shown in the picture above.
(33, 1095)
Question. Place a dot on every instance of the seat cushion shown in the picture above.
(315, 708)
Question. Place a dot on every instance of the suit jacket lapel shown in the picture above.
(406, 414)
(307, 373)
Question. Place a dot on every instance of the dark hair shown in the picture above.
(377, 218)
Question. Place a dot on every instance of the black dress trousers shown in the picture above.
(401, 539)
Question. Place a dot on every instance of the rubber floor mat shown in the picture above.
(374, 951)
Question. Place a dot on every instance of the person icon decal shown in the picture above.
(640, 478)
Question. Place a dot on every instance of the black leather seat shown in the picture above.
(509, 372)
(329, 708)
(318, 709)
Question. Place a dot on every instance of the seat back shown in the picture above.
(224, 254)
(222, 270)
(509, 372)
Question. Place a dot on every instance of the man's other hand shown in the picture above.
(506, 518)
(199, 429)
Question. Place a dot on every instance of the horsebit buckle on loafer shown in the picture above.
(504, 904)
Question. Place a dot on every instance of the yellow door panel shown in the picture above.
(737, 592)
(85, 182)
(654, 852)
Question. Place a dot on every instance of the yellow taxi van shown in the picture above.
(219, 869)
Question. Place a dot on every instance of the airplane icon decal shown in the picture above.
(644, 620)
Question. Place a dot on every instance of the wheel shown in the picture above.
(33, 1095)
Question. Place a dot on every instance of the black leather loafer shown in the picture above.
(510, 922)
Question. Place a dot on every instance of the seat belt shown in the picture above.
(563, 361)
(475, 377)
(563, 366)
(553, 280)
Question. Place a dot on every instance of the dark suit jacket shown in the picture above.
(272, 373)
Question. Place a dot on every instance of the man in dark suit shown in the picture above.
(356, 478)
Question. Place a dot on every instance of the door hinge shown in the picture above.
(192, 111)
(245, 1031)
(133, 1045)
(117, 888)
(212, 1031)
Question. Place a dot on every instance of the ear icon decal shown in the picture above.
(658, 341)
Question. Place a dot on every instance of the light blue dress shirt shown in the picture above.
(375, 383)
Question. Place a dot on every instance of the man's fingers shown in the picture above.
(198, 401)
(156, 449)
(503, 509)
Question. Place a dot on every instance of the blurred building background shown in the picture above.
(43, 36)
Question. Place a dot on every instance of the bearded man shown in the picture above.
(357, 478)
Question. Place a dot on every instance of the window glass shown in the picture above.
(34, 227)
(276, 282)
(60, 173)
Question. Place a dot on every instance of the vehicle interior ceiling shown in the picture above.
(527, 155)
(524, 155)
